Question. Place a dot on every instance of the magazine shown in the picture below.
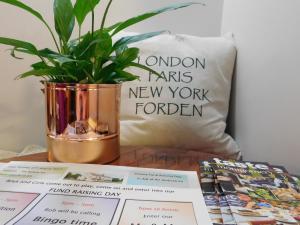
(288, 190)
(296, 182)
(215, 199)
(58, 193)
(256, 193)
(226, 212)
(210, 192)
(287, 181)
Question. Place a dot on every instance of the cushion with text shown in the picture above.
(187, 106)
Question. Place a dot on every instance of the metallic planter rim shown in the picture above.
(73, 86)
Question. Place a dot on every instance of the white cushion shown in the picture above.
(187, 109)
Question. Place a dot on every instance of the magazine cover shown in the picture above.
(253, 192)
(296, 185)
(296, 181)
(286, 181)
(226, 212)
(210, 192)
(216, 202)
(287, 190)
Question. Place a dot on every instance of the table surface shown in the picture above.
(148, 157)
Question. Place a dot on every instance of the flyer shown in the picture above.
(56, 193)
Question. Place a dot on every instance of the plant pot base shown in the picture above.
(98, 151)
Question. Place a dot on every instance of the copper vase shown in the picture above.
(82, 122)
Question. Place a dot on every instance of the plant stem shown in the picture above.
(93, 22)
(61, 46)
(105, 14)
(42, 59)
(89, 77)
(55, 41)
(79, 34)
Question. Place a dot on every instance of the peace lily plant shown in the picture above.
(90, 58)
(82, 78)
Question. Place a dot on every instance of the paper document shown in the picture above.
(55, 193)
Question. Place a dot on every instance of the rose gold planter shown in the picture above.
(83, 122)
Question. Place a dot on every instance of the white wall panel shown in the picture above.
(266, 107)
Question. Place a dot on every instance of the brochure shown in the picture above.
(57, 193)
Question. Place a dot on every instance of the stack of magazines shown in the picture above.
(250, 193)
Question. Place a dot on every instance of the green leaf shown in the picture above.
(147, 15)
(39, 65)
(72, 44)
(16, 49)
(64, 19)
(54, 72)
(40, 72)
(126, 57)
(78, 48)
(19, 44)
(124, 76)
(112, 27)
(136, 38)
(61, 60)
(13, 53)
(96, 46)
(108, 29)
(82, 9)
(56, 57)
(133, 64)
(104, 45)
(104, 72)
(89, 77)
(47, 52)
(108, 78)
(117, 76)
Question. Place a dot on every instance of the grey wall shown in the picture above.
(266, 106)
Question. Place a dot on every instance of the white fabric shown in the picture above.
(188, 108)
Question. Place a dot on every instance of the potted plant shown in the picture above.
(82, 78)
